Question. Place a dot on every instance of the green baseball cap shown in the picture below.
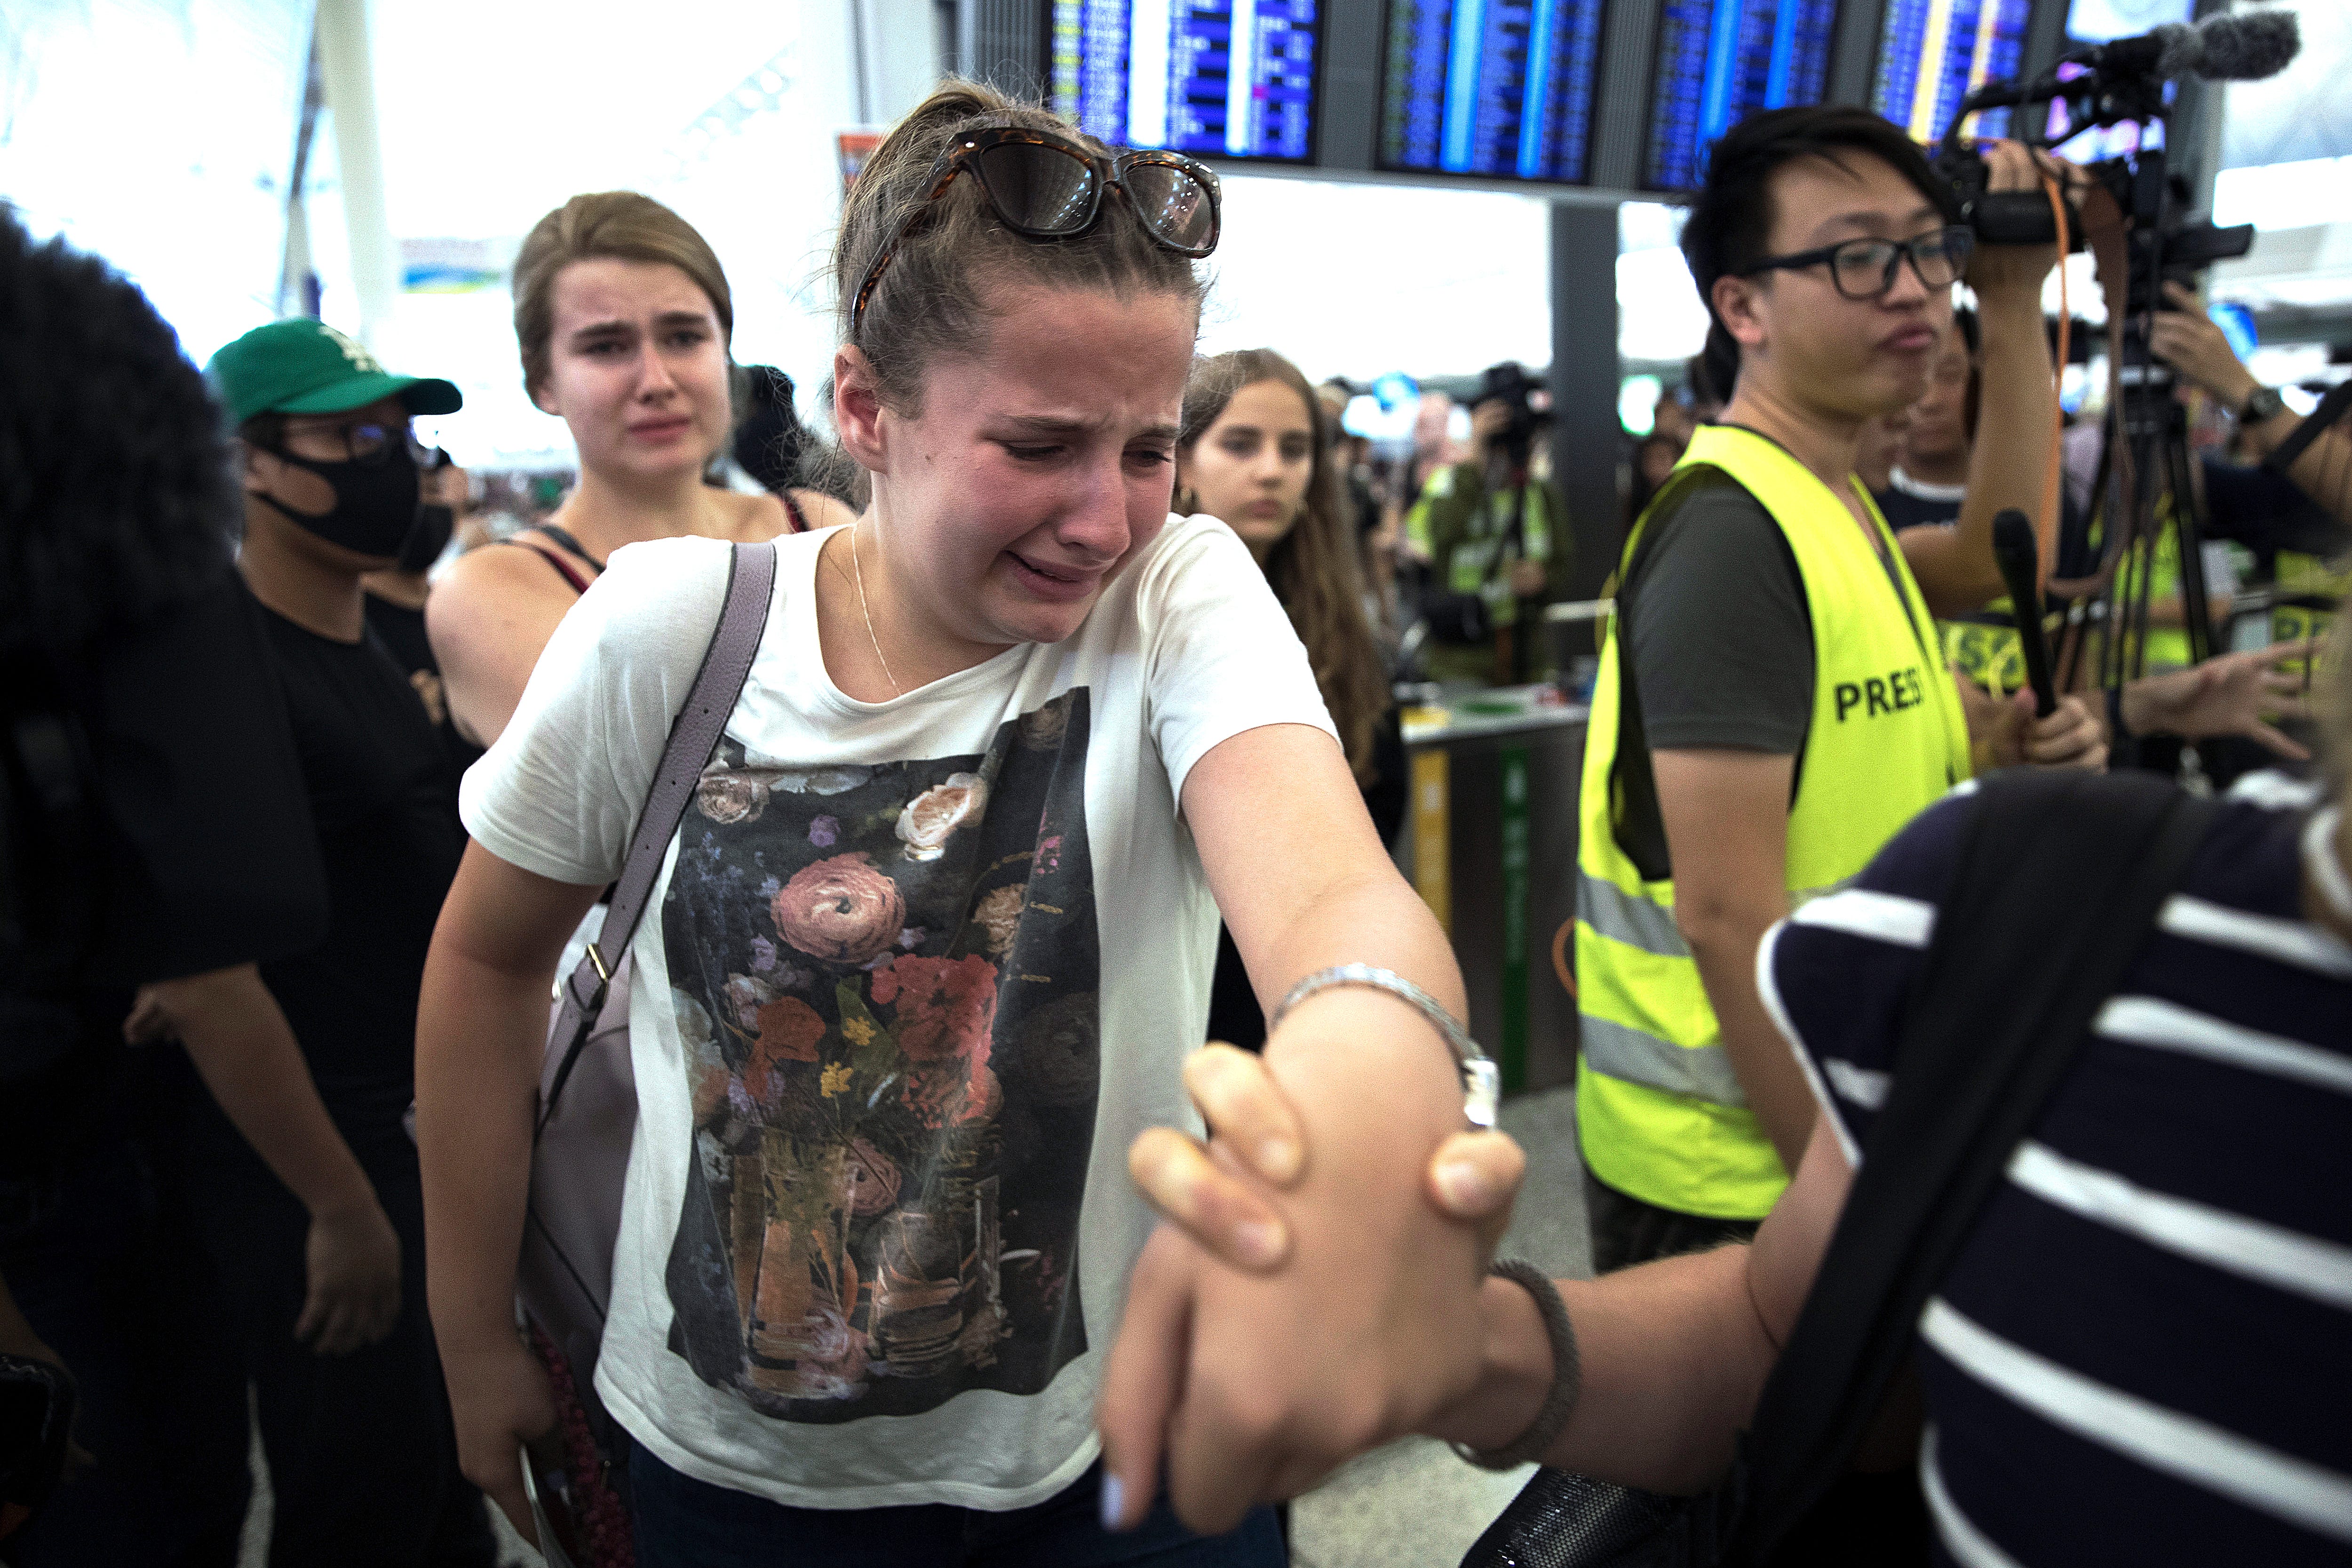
(301, 366)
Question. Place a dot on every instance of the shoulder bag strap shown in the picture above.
(693, 736)
(2060, 884)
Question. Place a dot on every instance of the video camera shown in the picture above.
(1509, 383)
(2112, 83)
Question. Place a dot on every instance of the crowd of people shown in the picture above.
(1065, 740)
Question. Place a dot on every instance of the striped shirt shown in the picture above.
(2143, 1352)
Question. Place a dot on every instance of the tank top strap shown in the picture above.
(563, 569)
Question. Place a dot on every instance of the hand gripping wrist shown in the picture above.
(1481, 1079)
(1567, 1374)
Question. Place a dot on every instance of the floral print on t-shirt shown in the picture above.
(885, 979)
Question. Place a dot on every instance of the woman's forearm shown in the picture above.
(246, 1054)
(481, 1039)
(1375, 919)
(1673, 1357)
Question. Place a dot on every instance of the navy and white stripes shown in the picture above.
(2143, 1351)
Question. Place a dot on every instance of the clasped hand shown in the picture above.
(1314, 1293)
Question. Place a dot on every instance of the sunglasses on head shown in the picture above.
(1046, 187)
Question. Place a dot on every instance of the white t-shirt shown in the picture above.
(915, 975)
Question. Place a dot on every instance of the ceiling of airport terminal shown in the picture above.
(490, 116)
(2304, 112)
(160, 134)
(492, 112)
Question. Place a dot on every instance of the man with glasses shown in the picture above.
(1772, 704)
(354, 1419)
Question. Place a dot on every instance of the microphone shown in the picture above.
(2249, 46)
(2019, 557)
(2246, 47)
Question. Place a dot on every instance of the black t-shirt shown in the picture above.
(403, 632)
(376, 775)
(1717, 636)
(2266, 512)
(1909, 509)
(206, 857)
(1919, 506)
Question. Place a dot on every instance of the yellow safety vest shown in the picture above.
(1659, 1111)
(2311, 577)
(1987, 651)
(2168, 647)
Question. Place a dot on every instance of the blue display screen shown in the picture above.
(1934, 53)
(1500, 87)
(1222, 79)
(1721, 60)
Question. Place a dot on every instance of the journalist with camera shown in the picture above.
(1495, 531)
(1773, 706)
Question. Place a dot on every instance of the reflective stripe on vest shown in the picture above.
(1660, 1112)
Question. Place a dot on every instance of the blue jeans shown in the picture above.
(686, 1523)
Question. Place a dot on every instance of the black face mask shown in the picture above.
(376, 504)
(435, 524)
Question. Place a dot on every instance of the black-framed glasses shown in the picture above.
(1865, 269)
(369, 445)
(1045, 187)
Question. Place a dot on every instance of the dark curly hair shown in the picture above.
(116, 500)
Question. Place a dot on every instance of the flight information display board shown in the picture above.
(1499, 88)
(1720, 61)
(1220, 78)
(1934, 53)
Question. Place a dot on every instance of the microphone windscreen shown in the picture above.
(2180, 50)
(2247, 45)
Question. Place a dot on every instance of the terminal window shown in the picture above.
(1720, 61)
(1499, 88)
(1223, 79)
(1934, 53)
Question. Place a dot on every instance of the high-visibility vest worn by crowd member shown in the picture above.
(1984, 646)
(1469, 565)
(2168, 647)
(2319, 587)
(1659, 1113)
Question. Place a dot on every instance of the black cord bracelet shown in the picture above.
(1567, 1373)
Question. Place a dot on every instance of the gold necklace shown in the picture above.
(859, 570)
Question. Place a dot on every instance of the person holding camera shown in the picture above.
(1772, 705)
(1494, 529)
(2299, 521)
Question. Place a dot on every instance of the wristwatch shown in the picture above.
(2261, 403)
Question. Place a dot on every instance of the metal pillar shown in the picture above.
(1584, 377)
(347, 67)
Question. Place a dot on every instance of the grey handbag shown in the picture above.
(588, 1101)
